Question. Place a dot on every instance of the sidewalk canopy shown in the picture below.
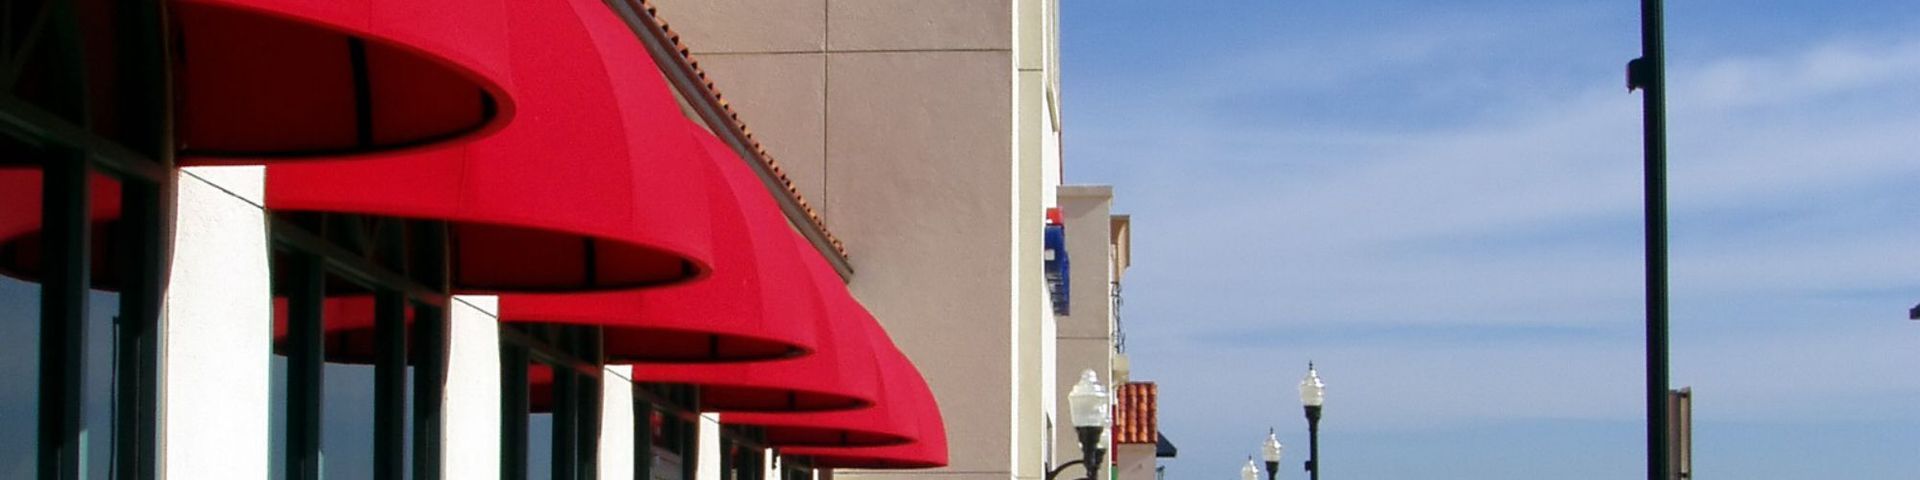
(927, 450)
(312, 78)
(842, 373)
(595, 185)
(20, 205)
(892, 421)
(759, 304)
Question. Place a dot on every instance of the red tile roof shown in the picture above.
(1136, 415)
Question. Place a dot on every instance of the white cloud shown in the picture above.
(1516, 218)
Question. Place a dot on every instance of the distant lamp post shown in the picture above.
(1313, 394)
(1270, 452)
(1087, 403)
(1249, 472)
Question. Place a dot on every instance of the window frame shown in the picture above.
(56, 129)
(677, 404)
(574, 354)
(404, 264)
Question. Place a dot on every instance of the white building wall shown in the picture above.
(617, 423)
(709, 453)
(214, 385)
(471, 409)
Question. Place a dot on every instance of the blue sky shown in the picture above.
(1440, 203)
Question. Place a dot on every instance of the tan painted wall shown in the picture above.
(1085, 336)
(901, 121)
(1135, 462)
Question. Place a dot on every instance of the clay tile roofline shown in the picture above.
(683, 72)
(1136, 417)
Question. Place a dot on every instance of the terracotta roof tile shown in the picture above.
(1136, 416)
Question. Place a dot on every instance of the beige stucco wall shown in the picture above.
(923, 131)
(1085, 339)
(1135, 462)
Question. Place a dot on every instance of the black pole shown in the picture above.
(1648, 73)
(1313, 442)
(1090, 449)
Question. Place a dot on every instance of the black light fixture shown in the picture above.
(1270, 452)
(1313, 394)
(1087, 403)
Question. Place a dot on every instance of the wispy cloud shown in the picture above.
(1446, 210)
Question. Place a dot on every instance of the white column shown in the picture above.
(472, 404)
(709, 448)
(617, 434)
(217, 328)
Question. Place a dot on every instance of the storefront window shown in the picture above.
(550, 402)
(358, 324)
(81, 116)
(745, 454)
(795, 469)
(670, 435)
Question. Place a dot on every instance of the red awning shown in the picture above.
(891, 421)
(759, 304)
(303, 78)
(927, 450)
(840, 375)
(20, 205)
(594, 186)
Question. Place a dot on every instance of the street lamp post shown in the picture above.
(1648, 73)
(1270, 452)
(1249, 472)
(1313, 394)
(1087, 403)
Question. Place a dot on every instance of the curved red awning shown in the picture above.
(20, 205)
(840, 375)
(302, 78)
(759, 303)
(927, 450)
(891, 421)
(594, 186)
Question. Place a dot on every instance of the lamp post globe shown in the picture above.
(1249, 472)
(1087, 404)
(1313, 394)
(1270, 452)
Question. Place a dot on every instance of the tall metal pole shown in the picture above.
(1648, 73)
(1313, 442)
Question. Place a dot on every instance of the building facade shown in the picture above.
(929, 132)
(166, 198)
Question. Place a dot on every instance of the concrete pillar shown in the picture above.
(217, 334)
(472, 404)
